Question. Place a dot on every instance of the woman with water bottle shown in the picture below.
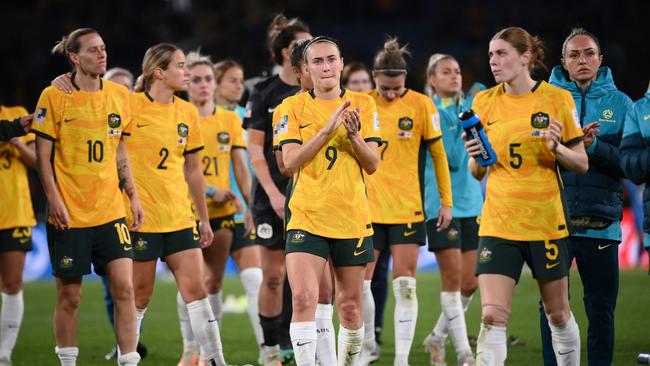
(532, 127)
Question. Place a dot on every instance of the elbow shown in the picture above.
(290, 165)
(286, 171)
(371, 167)
(582, 167)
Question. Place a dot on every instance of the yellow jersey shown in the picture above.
(524, 189)
(160, 137)
(328, 194)
(408, 123)
(14, 186)
(86, 128)
(222, 131)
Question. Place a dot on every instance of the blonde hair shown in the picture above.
(115, 71)
(195, 58)
(390, 60)
(158, 56)
(71, 43)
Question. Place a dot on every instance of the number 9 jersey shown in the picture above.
(523, 198)
(161, 136)
(328, 194)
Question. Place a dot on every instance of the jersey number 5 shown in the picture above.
(515, 158)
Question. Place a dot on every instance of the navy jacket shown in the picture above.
(599, 192)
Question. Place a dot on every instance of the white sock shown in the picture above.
(67, 355)
(10, 318)
(405, 316)
(491, 349)
(566, 343)
(129, 359)
(350, 342)
(304, 341)
(206, 330)
(326, 344)
(466, 300)
(216, 303)
(139, 318)
(251, 279)
(439, 331)
(452, 307)
(189, 342)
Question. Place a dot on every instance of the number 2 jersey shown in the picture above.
(523, 198)
(160, 137)
(328, 194)
(85, 128)
(14, 187)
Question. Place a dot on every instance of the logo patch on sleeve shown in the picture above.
(40, 115)
(435, 119)
(375, 120)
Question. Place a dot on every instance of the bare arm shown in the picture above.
(283, 168)
(196, 185)
(58, 211)
(27, 151)
(261, 170)
(443, 178)
(574, 157)
(242, 175)
(127, 183)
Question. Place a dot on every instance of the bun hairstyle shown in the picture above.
(222, 66)
(297, 51)
(158, 56)
(281, 32)
(390, 60)
(71, 44)
(522, 41)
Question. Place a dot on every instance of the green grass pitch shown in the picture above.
(162, 336)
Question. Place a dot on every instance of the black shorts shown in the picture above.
(548, 260)
(386, 235)
(461, 233)
(225, 222)
(151, 246)
(239, 241)
(73, 250)
(269, 229)
(17, 238)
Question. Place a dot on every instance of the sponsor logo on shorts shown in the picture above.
(485, 256)
(552, 265)
(298, 237)
(409, 233)
(603, 246)
(359, 244)
(141, 244)
(66, 262)
(264, 231)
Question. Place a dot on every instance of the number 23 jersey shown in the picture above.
(328, 196)
(523, 199)
(161, 136)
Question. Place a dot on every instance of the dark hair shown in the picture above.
(351, 68)
(320, 39)
(221, 67)
(71, 44)
(281, 33)
(579, 32)
(156, 56)
(390, 60)
(522, 41)
(297, 51)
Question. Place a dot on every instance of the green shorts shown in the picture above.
(462, 233)
(392, 234)
(548, 260)
(240, 241)
(73, 250)
(342, 252)
(151, 246)
(17, 238)
(226, 222)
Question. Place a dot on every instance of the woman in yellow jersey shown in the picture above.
(408, 121)
(16, 221)
(80, 137)
(167, 139)
(224, 142)
(357, 77)
(532, 127)
(329, 138)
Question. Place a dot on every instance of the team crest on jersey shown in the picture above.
(223, 138)
(539, 120)
(140, 244)
(66, 262)
(485, 256)
(405, 124)
(114, 120)
(183, 130)
(40, 115)
(607, 116)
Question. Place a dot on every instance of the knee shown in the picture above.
(122, 292)
(12, 288)
(303, 300)
(349, 310)
(495, 315)
(468, 289)
(558, 317)
(451, 281)
(274, 281)
(212, 287)
(69, 299)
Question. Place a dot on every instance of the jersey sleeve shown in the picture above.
(431, 121)
(194, 138)
(571, 129)
(255, 114)
(370, 130)
(126, 115)
(278, 128)
(288, 125)
(239, 141)
(46, 124)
